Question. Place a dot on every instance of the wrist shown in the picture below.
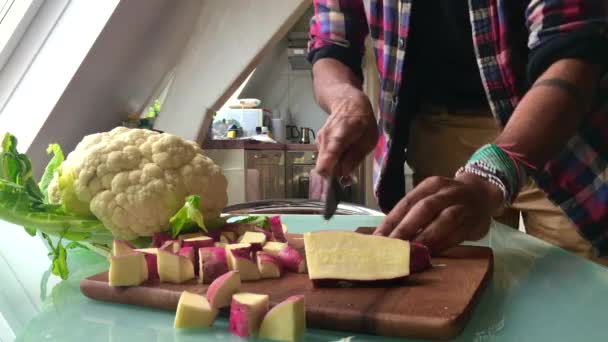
(493, 196)
(350, 100)
(496, 166)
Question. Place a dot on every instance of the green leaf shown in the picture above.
(30, 230)
(25, 168)
(75, 244)
(9, 167)
(9, 143)
(153, 110)
(17, 207)
(16, 167)
(22, 203)
(51, 168)
(59, 266)
(34, 191)
(60, 263)
(188, 218)
(76, 236)
(260, 221)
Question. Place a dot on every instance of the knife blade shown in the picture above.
(334, 195)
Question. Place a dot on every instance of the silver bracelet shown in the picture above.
(488, 176)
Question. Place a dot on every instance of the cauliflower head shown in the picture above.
(135, 180)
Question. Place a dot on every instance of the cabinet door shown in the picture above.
(232, 162)
(268, 172)
(297, 172)
(299, 183)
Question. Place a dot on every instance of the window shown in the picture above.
(15, 16)
(237, 92)
(25, 26)
(5, 5)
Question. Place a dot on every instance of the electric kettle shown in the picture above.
(293, 133)
(305, 135)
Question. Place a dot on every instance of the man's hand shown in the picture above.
(348, 135)
(350, 131)
(442, 212)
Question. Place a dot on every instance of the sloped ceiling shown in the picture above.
(229, 40)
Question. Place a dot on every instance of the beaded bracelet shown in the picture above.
(487, 176)
(494, 165)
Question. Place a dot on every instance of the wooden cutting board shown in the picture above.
(434, 304)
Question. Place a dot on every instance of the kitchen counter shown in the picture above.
(300, 147)
(538, 293)
(255, 145)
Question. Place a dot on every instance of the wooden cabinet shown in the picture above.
(266, 174)
(297, 172)
(252, 174)
(232, 162)
(267, 169)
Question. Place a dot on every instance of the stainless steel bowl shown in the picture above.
(294, 206)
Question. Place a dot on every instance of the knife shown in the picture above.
(334, 195)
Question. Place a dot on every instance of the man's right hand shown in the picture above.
(348, 135)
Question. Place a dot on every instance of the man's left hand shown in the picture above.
(442, 212)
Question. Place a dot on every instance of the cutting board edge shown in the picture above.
(459, 322)
(116, 295)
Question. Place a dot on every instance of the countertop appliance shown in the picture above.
(247, 118)
(293, 133)
(306, 132)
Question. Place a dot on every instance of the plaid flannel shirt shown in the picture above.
(577, 178)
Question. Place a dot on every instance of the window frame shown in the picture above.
(13, 25)
(36, 30)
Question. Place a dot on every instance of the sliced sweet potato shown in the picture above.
(221, 289)
(194, 311)
(277, 229)
(246, 313)
(212, 263)
(268, 265)
(286, 321)
(343, 255)
(240, 259)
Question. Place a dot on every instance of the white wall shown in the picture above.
(279, 87)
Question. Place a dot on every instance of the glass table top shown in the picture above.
(538, 293)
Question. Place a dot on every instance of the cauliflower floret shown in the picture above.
(135, 180)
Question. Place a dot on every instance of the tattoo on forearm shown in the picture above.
(572, 90)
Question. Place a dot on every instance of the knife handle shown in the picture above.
(346, 181)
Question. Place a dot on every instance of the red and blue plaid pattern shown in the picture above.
(577, 178)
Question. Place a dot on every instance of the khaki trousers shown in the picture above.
(440, 143)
